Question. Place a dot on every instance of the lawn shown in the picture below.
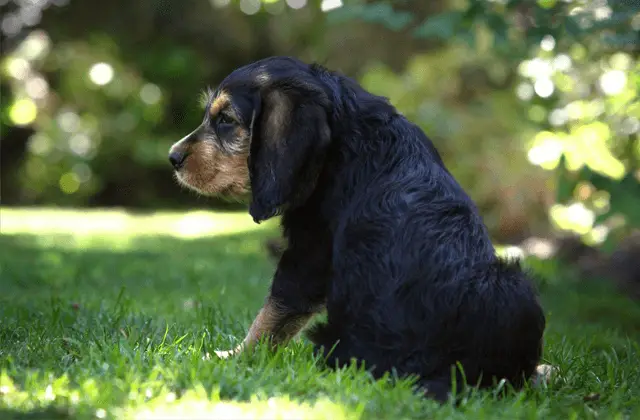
(105, 314)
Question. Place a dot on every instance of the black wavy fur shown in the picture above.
(381, 234)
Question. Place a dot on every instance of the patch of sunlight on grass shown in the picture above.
(509, 251)
(81, 222)
(196, 404)
(47, 392)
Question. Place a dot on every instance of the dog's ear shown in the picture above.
(289, 138)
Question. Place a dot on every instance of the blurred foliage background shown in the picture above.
(533, 104)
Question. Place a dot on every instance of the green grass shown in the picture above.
(108, 315)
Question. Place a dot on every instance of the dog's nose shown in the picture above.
(177, 159)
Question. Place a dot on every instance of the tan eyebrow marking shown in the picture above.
(220, 102)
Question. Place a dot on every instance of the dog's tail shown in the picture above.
(505, 302)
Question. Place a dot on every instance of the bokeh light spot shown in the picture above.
(575, 217)
(11, 24)
(69, 183)
(296, 4)
(620, 61)
(23, 112)
(36, 87)
(17, 67)
(578, 52)
(537, 113)
(613, 81)
(601, 200)
(558, 117)
(30, 16)
(524, 91)
(80, 144)
(548, 43)
(546, 151)
(82, 171)
(583, 191)
(220, 3)
(564, 82)
(39, 144)
(69, 121)
(35, 46)
(537, 68)
(150, 94)
(250, 7)
(546, 4)
(101, 73)
(543, 87)
(630, 126)
(602, 12)
(562, 62)
(328, 5)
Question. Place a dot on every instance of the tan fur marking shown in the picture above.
(264, 325)
(219, 102)
(270, 317)
(240, 132)
(275, 128)
(209, 172)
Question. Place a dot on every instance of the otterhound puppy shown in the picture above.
(379, 233)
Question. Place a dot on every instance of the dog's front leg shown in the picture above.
(275, 322)
(297, 293)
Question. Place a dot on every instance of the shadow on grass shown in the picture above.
(157, 272)
(165, 276)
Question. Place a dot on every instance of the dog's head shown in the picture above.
(264, 134)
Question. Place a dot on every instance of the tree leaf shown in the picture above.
(498, 27)
(443, 26)
(572, 27)
(380, 13)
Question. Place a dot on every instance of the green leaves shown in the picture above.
(379, 13)
(444, 25)
(547, 4)
(624, 195)
(572, 27)
(498, 26)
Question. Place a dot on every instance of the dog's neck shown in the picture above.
(354, 114)
(353, 107)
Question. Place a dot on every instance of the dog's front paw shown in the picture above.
(225, 354)
(544, 374)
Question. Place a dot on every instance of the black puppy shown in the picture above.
(379, 232)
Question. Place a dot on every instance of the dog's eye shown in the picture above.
(224, 119)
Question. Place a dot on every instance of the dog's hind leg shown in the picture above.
(329, 344)
(438, 389)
